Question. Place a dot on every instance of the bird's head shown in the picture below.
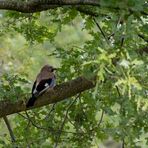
(48, 68)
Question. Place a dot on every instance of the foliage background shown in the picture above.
(117, 108)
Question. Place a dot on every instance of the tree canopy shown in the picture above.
(100, 48)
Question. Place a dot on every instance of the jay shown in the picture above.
(44, 80)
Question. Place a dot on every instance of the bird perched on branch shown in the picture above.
(44, 80)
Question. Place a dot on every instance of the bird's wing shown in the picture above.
(43, 84)
(53, 83)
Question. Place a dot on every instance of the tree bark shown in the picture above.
(60, 92)
(41, 5)
(31, 6)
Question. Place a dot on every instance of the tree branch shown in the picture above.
(42, 5)
(87, 11)
(9, 128)
(61, 92)
(64, 120)
(143, 37)
(102, 32)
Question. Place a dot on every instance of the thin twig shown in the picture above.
(44, 128)
(122, 109)
(22, 115)
(52, 109)
(118, 91)
(99, 122)
(143, 37)
(37, 126)
(111, 35)
(62, 125)
(101, 118)
(123, 143)
(103, 33)
(9, 129)
(122, 41)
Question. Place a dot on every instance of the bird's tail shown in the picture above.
(31, 101)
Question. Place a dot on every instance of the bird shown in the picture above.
(44, 80)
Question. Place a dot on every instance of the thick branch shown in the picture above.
(41, 5)
(31, 6)
(61, 92)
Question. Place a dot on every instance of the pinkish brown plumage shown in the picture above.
(44, 80)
